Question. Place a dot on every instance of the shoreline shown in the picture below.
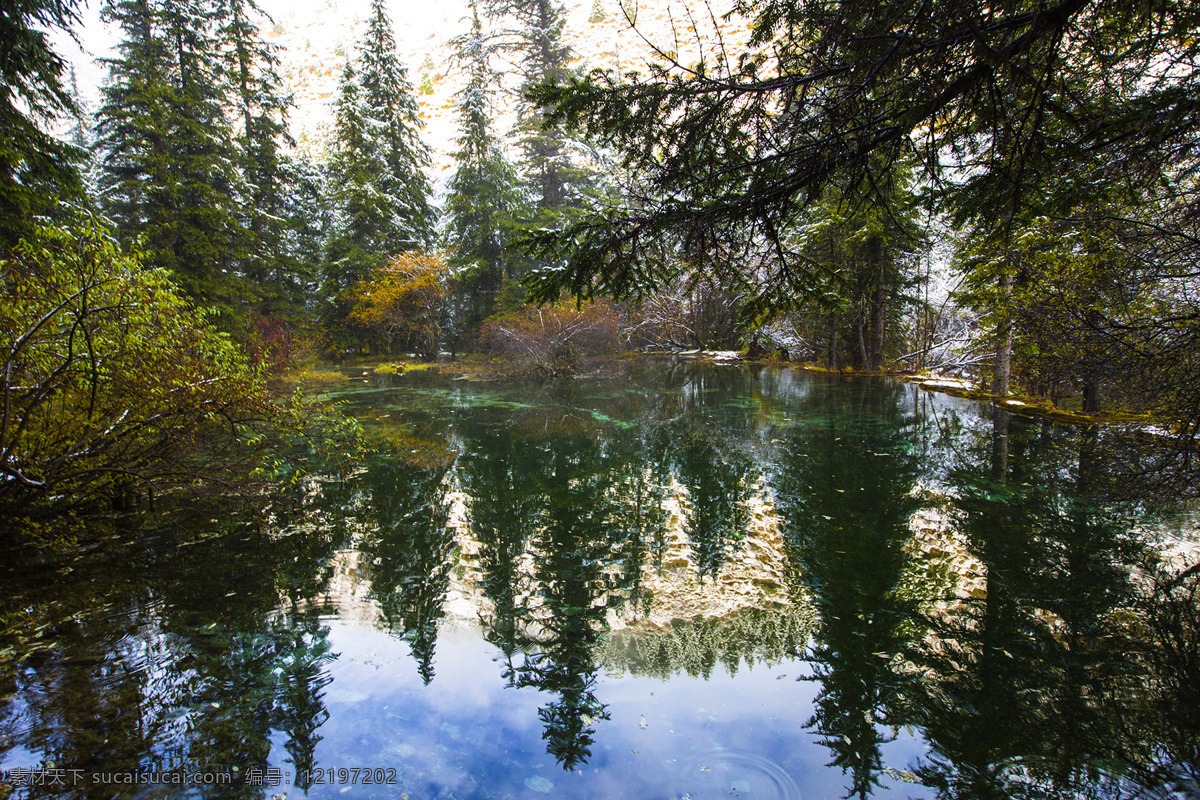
(1019, 404)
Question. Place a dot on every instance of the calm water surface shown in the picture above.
(684, 581)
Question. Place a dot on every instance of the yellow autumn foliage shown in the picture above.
(404, 303)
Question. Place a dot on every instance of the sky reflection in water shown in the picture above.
(682, 581)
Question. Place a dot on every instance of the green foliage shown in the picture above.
(306, 437)
(1014, 110)
(390, 104)
(169, 172)
(409, 553)
(696, 646)
(1061, 291)
(834, 94)
(859, 247)
(483, 196)
(192, 132)
(273, 263)
(715, 502)
(115, 386)
(551, 156)
(426, 86)
(35, 168)
(378, 190)
(82, 137)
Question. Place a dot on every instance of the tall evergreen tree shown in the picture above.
(35, 168)
(378, 189)
(309, 222)
(483, 192)
(169, 171)
(132, 122)
(261, 132)
(860, 244)
(81, 135)
(392, 107)
(356, 244)
(549, 153)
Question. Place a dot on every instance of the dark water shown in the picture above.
(683, 582)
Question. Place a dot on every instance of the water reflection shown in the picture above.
(845, 495)
(717, 485)
(563, 525)
(406, 549)
(1049, 632)
(171, 657)
(954, 603)
(1171, 653)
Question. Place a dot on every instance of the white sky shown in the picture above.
(327, 20)
(315, 35)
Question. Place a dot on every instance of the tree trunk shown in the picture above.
(832, 361)
(755, 351)
(1002, 369)
(1000, 424)
(124, 498)
(879, 307)
(1091, 378)
(1091, 395)
(859, 324)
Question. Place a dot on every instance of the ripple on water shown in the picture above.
(735, 773)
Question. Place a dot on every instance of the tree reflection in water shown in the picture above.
(562, 540)
(1171, 652)
(844, 488)
(177, 656)
(407, 548)
(566, 511)
(1028, 689)
(1036, 649)
(718, 484)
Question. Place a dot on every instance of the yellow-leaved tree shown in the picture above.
(405, 305)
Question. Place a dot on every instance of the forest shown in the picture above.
(1006, 192)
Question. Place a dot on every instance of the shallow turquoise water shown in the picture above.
(678, 581)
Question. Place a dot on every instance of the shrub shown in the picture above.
(552, 340)
(114, 385)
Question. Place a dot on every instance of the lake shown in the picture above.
(676, 581)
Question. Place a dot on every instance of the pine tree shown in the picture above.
(309, 221)
(861, 247)
(169, 170)
(483, 192)
(35, 168)
(388, 95)
(548, 163)
(132, 122)
(270, 263)
(378, 189)
(80, 134)
(361, 230)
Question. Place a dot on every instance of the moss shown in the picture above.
(310, 379)
(1020, 404)
(817, 369)
(420, 366)
(1026, 405)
